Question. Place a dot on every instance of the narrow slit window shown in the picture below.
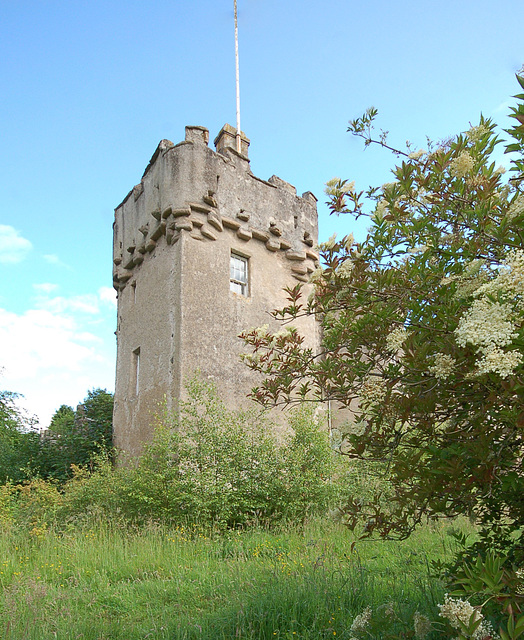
(238, 274)
(135, 385)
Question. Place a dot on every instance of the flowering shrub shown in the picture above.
(423, 335)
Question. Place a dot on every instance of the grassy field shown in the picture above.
(106, 583)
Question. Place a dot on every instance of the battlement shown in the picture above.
(188, 188)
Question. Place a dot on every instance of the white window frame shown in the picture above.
(239, 277)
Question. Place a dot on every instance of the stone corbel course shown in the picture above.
(173, 221)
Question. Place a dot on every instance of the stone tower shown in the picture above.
(202, 250)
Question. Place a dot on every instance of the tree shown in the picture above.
(423, 334)
(75, 437)
(19, 441)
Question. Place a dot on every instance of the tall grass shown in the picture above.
(106, 582)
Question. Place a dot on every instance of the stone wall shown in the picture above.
(174, 234)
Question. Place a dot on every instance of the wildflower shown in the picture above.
(362, 620)
(388, 185)
(396, 339)
(421, 624)
(509, 280)
(355, 428)
(283, 333)
(331, 187)
(473, 267)
(443, 366)
(461, 165)
(261, 332)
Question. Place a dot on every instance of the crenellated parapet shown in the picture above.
(191, 189)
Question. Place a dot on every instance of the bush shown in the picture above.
(226, 468)
(206, 465)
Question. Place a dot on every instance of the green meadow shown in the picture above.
(108, 582)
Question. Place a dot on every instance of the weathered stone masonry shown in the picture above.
(195, 213)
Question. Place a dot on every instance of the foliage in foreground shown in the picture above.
(423, 338)
(423, 327)
(208, 465)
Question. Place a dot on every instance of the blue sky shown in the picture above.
(88, 89)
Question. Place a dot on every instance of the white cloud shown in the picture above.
(55, 353)
(87, 303)
(503, 107)
(107, 294)
(13, 247)
(51, 258)
(45, 287)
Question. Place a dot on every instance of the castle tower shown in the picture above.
(202, 250)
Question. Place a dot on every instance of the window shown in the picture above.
(135, 373)
(238, 274)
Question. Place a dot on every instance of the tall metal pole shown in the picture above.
(239, 142)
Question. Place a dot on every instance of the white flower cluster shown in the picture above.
(416, 155)
(517, 207)
(489, 326)
(345, 269)
(486, 325)
(373, 390)
(283, 333)
(362, 620)
(520, 576)
(251, 358)
(457, 610)
(380, 210)
(510, 278)
(349, 241)
(329, 244)
(421, 625)
(497, 361)
(396, 339)
(354, 428)
(262, 331)
(476, 133)
(333, 189)
(461, 165)
(418, 249)
(316, 275)
(443, 366)
(389, 185)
